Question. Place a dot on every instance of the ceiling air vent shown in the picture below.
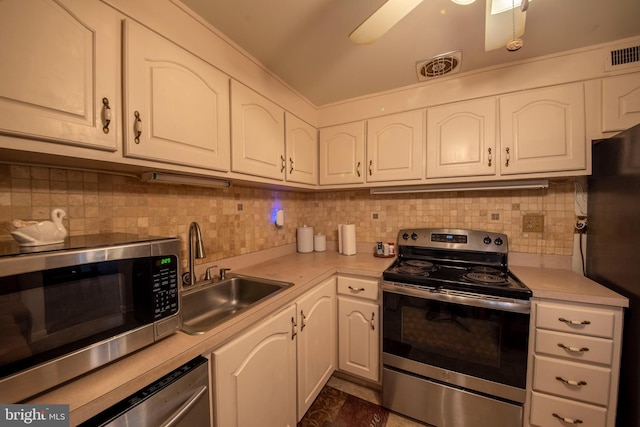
(447, 63)
(623, 58)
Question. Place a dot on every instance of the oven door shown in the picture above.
(471, 341)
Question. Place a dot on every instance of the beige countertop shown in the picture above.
(96, 391)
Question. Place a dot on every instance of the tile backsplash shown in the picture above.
(239, 220)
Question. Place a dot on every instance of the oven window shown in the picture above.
(47, 314)
(484, 343)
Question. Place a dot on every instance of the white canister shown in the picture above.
(319, 242)
(304, 237)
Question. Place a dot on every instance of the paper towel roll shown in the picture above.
(319, 242)
(349, 239)
(304, 236)
(340, 238)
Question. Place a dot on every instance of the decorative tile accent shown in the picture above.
(97, 202)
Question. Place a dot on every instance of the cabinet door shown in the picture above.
(255, 376)
(543, 130)
(58, 61)
(358, 338)
(395, 147)
(620, 102)
(461, 139)
(302, 151)
(317, 339)
(257, 134)
(176, 105)
(342, 154)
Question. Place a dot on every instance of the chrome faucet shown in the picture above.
(194, 232)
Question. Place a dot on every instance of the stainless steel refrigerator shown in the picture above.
(613, 249)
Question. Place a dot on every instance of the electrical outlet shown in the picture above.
(533, 223)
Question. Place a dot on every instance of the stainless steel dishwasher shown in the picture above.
(180, 398)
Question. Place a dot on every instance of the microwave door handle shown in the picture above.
(175, 418)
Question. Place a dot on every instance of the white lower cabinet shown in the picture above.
(359, 328)
(287, 359)
(317, 339)
(575, 364)
(255, 375)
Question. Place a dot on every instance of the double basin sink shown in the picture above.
(212, 303)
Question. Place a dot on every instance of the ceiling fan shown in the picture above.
(496, 19)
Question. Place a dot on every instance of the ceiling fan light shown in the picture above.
(463, 2)
(381, 21)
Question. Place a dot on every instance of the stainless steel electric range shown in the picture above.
(455, 330)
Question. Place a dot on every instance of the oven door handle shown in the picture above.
(475, 300)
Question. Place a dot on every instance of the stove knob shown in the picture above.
(487, 240)
(414, 236)
(405, 236)
(498, 241)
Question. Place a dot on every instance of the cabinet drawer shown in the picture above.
(544, 407)
(361, 288)
(575, 347)
(549, 374)
(592, 321)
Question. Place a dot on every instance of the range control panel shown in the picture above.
(458, 239)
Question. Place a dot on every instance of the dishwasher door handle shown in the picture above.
(175, 418)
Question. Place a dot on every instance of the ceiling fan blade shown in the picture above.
(381, 21)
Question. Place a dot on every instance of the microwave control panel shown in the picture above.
(165, 286)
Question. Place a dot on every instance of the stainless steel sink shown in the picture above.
(210, 304)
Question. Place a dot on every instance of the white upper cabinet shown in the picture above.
(59, 72)
(620, 102)
(395, 147)
(461, 139)
(176, 105)
(342, 154)
(302, 151)
(543, 130)
(257, 129)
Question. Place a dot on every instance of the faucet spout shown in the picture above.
(195, 234)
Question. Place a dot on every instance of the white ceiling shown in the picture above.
(306, 44)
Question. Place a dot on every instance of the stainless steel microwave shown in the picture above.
(69, 308)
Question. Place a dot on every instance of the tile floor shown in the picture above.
(373, 396)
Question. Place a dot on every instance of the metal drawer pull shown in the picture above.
(356, 289)
(137, 127)
(574, 322)
(106, 115)
(572, 382)
(291, 164)
(370, 167)
(508, 157)
(490, 157)
(373, 327)
(567, 420)
(573, 349)
(303, 317)
(358, 168)
(284, 163)
(293, 328)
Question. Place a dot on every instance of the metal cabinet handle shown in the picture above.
(291, 165)
(106, 115)
(572, 382)
(573, 349)
(284, 163)
(358, 168)
(567, 420)
(373, 326)
(294, 325)
(137, 127)
(490, 157)
(574, 322)
(179, 414)
(356, 289)
(302, 317)
(508, 157)
(370, 167)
